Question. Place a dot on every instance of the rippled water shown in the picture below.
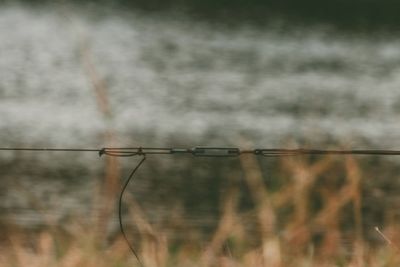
(173, 81)
(169, 77)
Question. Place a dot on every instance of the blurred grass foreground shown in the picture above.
(306, 212)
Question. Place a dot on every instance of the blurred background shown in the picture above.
(250, 74)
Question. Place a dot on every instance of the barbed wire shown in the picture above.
(209, 151)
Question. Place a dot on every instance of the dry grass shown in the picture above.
(304, 235)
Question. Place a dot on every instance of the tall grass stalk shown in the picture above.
(111, 186)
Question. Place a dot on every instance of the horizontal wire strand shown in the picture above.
(134, 151)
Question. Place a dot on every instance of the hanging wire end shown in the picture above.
(120, 207)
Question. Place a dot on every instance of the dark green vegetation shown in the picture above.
(354, 14)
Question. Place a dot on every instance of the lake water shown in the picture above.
(172, 81)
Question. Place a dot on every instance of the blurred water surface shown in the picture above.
(174, 81)
(172, 77)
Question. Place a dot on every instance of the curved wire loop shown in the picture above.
(115, 152)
